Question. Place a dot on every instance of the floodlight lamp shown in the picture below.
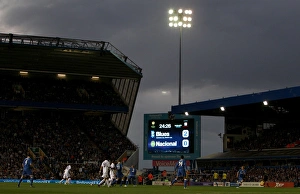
(171, 18)
(186, 113)
(171, 11)
(175, 18)
(184, 25)
(185, 18)
(180, 11)
(175, 24)
(95, 78)
(189, 25)
(23, 72)
(222, 108)
(265, 103)
(179, 23)
(60, 75)
(171, 24)
(189, 19)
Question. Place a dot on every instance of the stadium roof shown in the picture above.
(62, 55)
(77, 59)
(280, 102)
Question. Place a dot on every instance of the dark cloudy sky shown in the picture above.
(234, 46)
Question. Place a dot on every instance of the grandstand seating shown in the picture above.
(65, 136)
(18, 88)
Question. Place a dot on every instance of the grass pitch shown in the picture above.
(9, 188)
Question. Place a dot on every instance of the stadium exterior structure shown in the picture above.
(248, 114)
(81, 59)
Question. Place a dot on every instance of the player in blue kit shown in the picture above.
(120, 175)
(27, 165)
(181, 171)
(240, 175)
(131, 176)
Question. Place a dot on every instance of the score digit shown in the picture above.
(185, 133)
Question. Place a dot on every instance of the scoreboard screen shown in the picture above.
(168, 139)
(171, 136)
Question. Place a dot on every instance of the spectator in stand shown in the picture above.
(164, 175)
(150, 178)
(140, 179)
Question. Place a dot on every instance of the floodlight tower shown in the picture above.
(182, 19)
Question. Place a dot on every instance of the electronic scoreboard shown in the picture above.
(166, 138)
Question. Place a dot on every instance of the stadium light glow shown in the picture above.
(186, 113)
(95, 78)
(60, 75)
(222, 108)
(182, 19)
(23, 72)
(265, 103)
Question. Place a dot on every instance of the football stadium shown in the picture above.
(70, 102)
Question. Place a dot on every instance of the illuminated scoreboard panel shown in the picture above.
(168, 139)
(166, 136)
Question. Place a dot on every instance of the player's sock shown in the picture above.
(31, 180)
(20, 182)
(113, 182)
(101, 182)
(174, 181)
(185, 183)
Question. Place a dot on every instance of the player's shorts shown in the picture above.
(240, 179)
(181, 173)
(119, 175)
(112, 175)
(27, 172)
(105, 174)
(65, 176)
(130, 177)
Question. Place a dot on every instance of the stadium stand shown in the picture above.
(261, 132)
(64, 101)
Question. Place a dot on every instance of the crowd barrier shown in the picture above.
(162, 183)
(48, 181)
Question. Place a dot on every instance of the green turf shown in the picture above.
(11, 188)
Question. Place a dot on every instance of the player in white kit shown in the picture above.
(112, 175)
(104, 169)
(66, 175)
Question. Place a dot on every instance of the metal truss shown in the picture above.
(66, 43)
